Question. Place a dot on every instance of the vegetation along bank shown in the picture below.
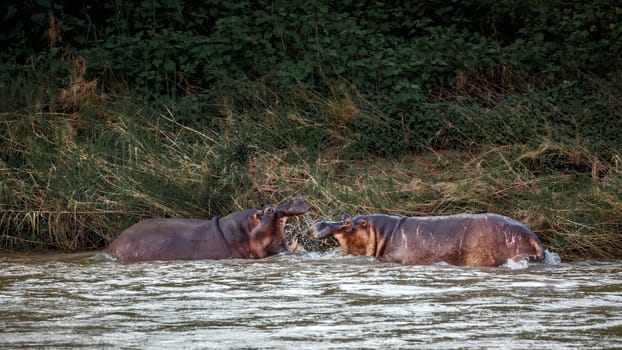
(113, 111)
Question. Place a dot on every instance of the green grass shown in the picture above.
(77, 168)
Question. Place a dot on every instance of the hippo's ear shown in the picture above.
(362, 223)
(346, 221)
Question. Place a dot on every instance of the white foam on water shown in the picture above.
(296, 301)
(519, 264)
(552, 258)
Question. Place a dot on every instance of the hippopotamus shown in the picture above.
(463, 239)
(248, 234)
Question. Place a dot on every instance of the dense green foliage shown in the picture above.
(115, 110)
(403, 56)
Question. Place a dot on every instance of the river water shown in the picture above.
(308, 301)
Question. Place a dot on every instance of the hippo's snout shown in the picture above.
(321, 230)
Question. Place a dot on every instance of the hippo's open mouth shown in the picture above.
(297, 206)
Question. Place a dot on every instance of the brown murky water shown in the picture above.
(321, 301)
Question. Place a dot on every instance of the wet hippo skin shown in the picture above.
(248, 234)
(465, 239)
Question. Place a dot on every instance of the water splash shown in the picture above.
(517, 263)
(552, 258)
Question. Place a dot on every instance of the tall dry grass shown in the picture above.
(78, 166)
(79, 189)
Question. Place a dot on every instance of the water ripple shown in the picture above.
(326, 301)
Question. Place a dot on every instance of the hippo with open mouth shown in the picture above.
(464, 239)
(248, 234)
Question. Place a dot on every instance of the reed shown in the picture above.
(78, 166)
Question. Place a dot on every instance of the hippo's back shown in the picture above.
(469, 239)
(502, 238)
(170, 239)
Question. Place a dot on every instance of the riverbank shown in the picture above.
(74, 180)
(110, 114)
